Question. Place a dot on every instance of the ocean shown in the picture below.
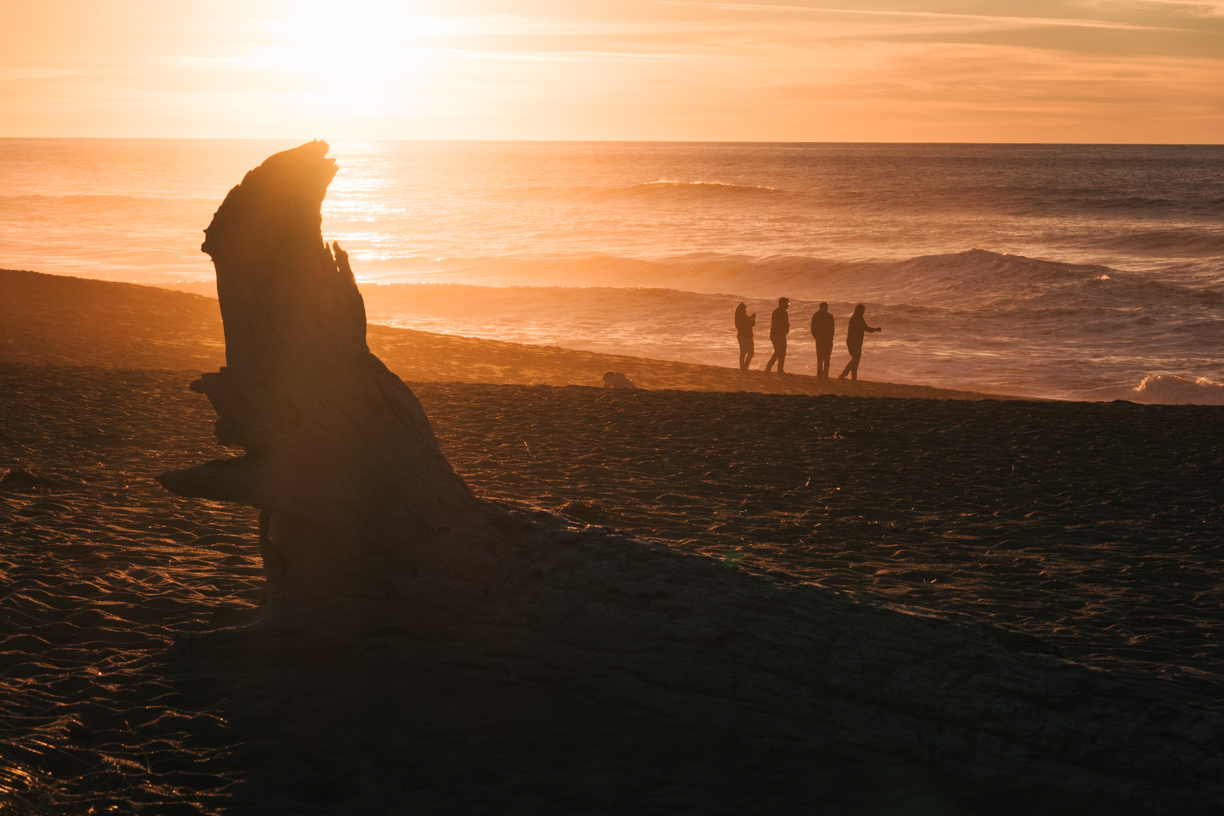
(1062, 271)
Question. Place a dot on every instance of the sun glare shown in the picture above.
(356, 56)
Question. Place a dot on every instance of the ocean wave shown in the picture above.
(973, 279)
(662, 191)
(1170, 389)
(669, 188)
(92, 201)
(1013, 202)
(1056, 351)
(1176, 243)
(851, 202)
(1070, 204)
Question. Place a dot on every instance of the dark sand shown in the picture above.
(1096, 527)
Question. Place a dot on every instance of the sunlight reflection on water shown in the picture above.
(938, 237)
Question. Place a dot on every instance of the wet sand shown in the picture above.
(1095, 527)
(57, 320)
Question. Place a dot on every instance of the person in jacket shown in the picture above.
(779, 327)
(822, 332)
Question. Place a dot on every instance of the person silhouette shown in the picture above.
(854, 342)
(779, 327)
(822, 331)
(743, 331)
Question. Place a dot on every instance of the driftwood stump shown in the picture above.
(366, 527)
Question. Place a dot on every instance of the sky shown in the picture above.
(1054, 71)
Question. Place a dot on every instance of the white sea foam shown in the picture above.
(1093, 267)
(1173, 390)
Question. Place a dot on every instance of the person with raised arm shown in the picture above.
(854, 342)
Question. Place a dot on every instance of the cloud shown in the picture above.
(1189, 8)
(991, 20)
(1108, 70)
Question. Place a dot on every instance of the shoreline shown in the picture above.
(58, 320)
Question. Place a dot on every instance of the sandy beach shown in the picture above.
(1093, 527)
(60, 320)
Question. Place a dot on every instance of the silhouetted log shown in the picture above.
(339, 454)
(367, 529)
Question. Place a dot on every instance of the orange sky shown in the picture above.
(877, 70)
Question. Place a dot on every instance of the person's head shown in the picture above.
(741, 309)
(824, 307)
(783, 303)
(860, 309)
(608, 375)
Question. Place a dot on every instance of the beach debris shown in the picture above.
(617, 379)
(366, 531)
(731, 559)
(584, 511)
(78, 732)
(24, 480)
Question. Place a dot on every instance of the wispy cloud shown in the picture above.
(928, 70)
(984, 19)
(1189, 8)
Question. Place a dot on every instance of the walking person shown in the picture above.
(822, 331)
(743, 331)
(854, 342)
(779, 327)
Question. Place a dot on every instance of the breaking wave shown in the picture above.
(1166, 243)
(1098, 265)
(1170, 389)
(974, 279)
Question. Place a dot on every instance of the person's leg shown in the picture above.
(822, 362)
(781, 358)
(749, 354)
(846, 370)
(854, 364)
(773, 359)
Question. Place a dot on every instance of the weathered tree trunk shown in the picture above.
(366, 526)
(339, 454)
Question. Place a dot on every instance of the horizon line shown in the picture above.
(608, 141)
